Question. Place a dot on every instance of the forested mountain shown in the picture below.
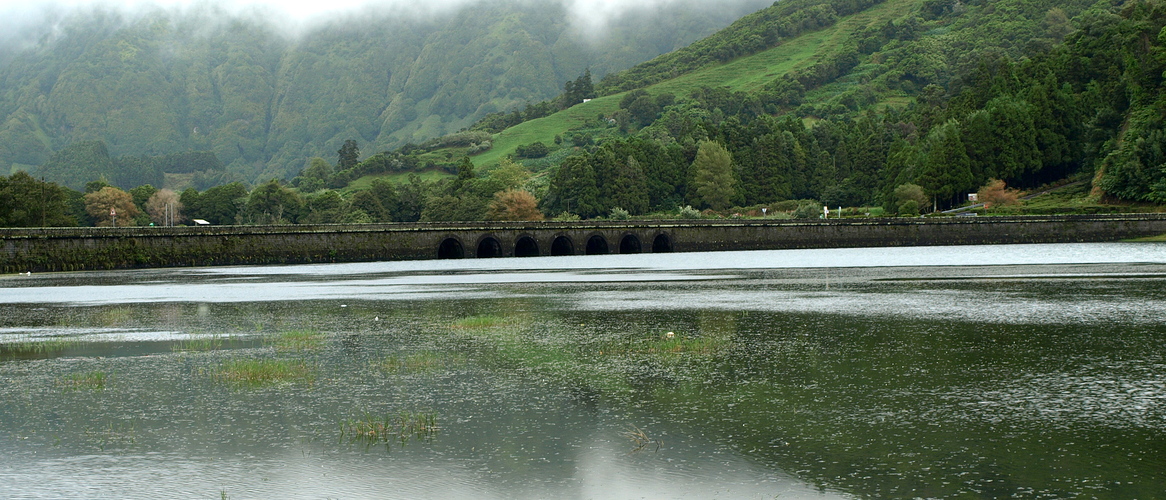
(264, 100)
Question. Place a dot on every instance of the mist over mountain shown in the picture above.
(265, 89)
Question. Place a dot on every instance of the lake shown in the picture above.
(976, 371)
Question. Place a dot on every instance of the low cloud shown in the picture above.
(585, 13)
(24, 24)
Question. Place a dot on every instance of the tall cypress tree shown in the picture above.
(630, 187)
(947, 170)
(349, 155)
(712, 174)
(573, 189)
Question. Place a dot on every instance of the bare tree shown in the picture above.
(164, 208)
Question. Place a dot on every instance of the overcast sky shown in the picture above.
(24, 22)
(586, 11)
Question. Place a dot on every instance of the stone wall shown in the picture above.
(68, 249)
(922, 231)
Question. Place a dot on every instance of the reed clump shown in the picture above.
(94, 380)
(36, 348)
(482, 321)
(259, 372)
(114, 434)
(420, 362)
(641, 440)
(206, 343)
(695, 345)
(663, 344)
(387, 429)
(117, 316)
(299, 340)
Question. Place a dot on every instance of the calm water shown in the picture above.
(994, 371)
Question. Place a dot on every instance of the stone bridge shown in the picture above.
(553, 240)
(66, 249)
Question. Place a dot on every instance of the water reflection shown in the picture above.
(805, 382)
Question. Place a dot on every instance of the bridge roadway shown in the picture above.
(66, 249)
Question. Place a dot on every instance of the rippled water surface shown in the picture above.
(984, 371)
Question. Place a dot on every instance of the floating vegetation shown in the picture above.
(36, 348)
(258, 372)
(114, 434)
(94, 380)
(206, 343)
(669, 343)
(298, 340)
(388, 429)
(697, 345)
(483, 321)
(641, 439)
(117, 316)
(420, 362)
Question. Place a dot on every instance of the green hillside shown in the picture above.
(749, 73)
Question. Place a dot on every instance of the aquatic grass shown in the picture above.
(694, 345)
(36, 348)
(259, 372)
(669, 343)
(420, 362)
(298, 340)
(482, 321)
(94, 380)
(114, 433)
(387, 429)
(532, 355)
(117, 316)
(207, 343)
(641, 439)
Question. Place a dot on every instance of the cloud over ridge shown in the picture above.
(301, 10)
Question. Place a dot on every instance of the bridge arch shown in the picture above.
(488, 248)
(661, 244)
(597, 245)
(526, 246)
(629, 244)
(451, 248)
(562, 246)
